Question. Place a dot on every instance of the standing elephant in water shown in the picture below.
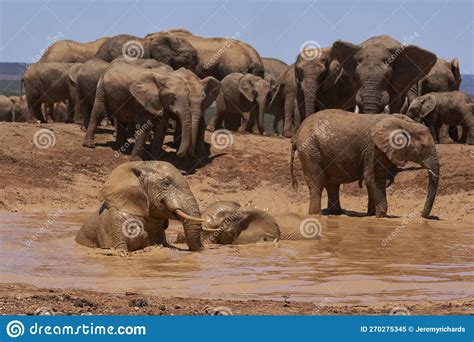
(382, 70)
(240, 95)
(139, 199)
(48, 82)
(337, 147)
(446, 109)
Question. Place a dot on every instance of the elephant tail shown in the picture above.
(294, 182)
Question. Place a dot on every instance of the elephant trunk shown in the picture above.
(261, 113)
(185, 118)
(192, 230)
(196, 114)
(309, 102)
(431, 163)
(370, 97)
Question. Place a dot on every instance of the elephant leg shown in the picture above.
(289, 124)
(252, 125)
(143, 133)
(202, 148)
(160, 128)
(35, 111)
(97, 115)
(453, 133)
(314, 177)
(444, 135)
(70, 111)
(215, 122)
(434, 131)
(177, 135)
(334, 205)
(120, 134)
(245, 125)
(370, 206)
(377, 193)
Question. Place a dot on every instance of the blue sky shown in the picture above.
(275, 28)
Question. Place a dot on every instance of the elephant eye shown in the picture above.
(166, 183)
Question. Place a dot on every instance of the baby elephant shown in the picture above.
(228, 223)
(241, 95)
(139, 199)
(451, 108)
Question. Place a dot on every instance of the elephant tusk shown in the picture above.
(181, 214)
(432, 173)
(210, 229)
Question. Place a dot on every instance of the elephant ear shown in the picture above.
(123, 190)
(411, 65)
(146, 92)
(344, 53)
(428, 104)
(392, 138)
(174, 51)
(211, 88)
(246, 87)
(73, 72)
(456, 72)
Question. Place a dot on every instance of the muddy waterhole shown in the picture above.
(357, 260)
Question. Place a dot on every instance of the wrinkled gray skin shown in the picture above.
(140, 95)
(70, 51)
(85, 84)
(48, 83)
(148, 192)
(241, 94)
(165, 48)
(217, 57)
(321, 83)
(451, 108)
(382, 71)
(274, 67)
(282, 103)
(366, 147)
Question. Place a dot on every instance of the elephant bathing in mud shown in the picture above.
(226, 222)
(139, 199)
(337, 147)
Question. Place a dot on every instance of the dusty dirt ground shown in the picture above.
(253, 171)
(30, 300)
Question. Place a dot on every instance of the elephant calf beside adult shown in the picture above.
(365, 146)
(139, 199)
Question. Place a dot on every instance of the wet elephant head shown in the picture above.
(401, 140)
(228, 223)
(155, 189)
(382, 69)
(172, 50)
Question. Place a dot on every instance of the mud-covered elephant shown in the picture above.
(138, 200)
(450, 108)
(217, 57)
(241, 103)
(70, 51)
(282, 102)
(274, 67)
(382, 70)
(226, 222)
(337, 147)
(48, 83)
(321, 83)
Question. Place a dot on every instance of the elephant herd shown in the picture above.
(342, 106)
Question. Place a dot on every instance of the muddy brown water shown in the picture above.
(357, 260)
